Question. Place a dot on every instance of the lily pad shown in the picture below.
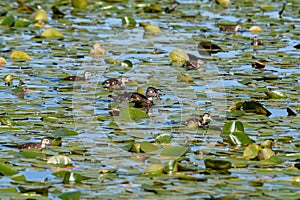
(73, 195)
(51, 32)
(129, 114)
(163, 138)
(217, 164)
(148, 147)
(40, 15)
(233, 132)
(64, 132)
(20, 55)
(251, 151)
(176, 151)
(60, 160)
(276, 95)
(7, 169)
(7, 21)
(179, 56)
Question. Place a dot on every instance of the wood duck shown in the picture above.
(256, 42)
(85, 76)
(203, 121)
(140, 100)
(231, 29)
(115, 83)
(34, 145)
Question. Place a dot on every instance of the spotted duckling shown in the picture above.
(115, 83)
(84, 77)
(140, 100)
(34, 145)
(203, 121)
(256, 42)
(234, 29)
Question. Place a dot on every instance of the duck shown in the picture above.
(140, 100)
(84, 77)
(115, 83)
(231, 29)
(34, 145)
(192, 64)
(256, 41)
(202, 122)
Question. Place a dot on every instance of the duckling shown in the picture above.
(192, 64)
(85, 76)
(34, 145)
(231, 29)
(256, 42)
(140, 100)
(203, 121)
(115, 83)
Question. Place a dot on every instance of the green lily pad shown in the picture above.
(233, 132)
(179, 56)
(176, 151)
(79, 3)
(155, 168)
(74, 195)
(64, 132)
(265, 154)
(163, 138)
(128, 21)
(131, 114)
(276, 95)
(7, 21)
(148, 147)
(217, 164)
(251, 151)
(184, 77)
(5, 120)
(31, 154)
(72, 177)
(19, 23)
(60, 160)
(7, 169)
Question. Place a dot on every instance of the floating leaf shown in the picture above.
(208, 48)
(51, 32)
(255, 29)
(171, 167)
(251, 151)
(256, 107)
(19, 177)
(153, 8)
(97, 50)
(63, 132)
(7, 21)
(7, 170)
(74, 195)
(71, 177)
(178, 56)
(129, 114)
(40, 15)
(19, 55)
(265, 154)
(185, 78)
(224, 3)
(79, 3)
(31, 154)
(163, 138)
(175, 151)
(155, 168)
(290, 112)
(128, 21)
(267, 8)
(276, 95)
(6, 120)
(150, 28)
(233, 132)
(19, 23)
(147, 147)
(217, 164)
(2, 61)
(60, 160)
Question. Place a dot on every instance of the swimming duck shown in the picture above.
(231, 29)
(203, 121)
(192, 64)
(85, 76)
(140, 100)
(256, 42)
(115, 83)
(34, 145)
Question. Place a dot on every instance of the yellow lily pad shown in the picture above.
(178, 56)
(51, 32)
(40, 15)
(2, 61)
(79, 3)
(20, 55)
(255, 29)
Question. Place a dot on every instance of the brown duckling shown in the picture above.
(256, 42)
(231, 29)
(203, 121)
(85, 76)
(34, 145)
(115, 83)
(140, 100)
(192, 64)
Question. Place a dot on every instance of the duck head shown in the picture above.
(152, 92)
(205, 119)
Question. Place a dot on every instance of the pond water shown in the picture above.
(100, 152)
